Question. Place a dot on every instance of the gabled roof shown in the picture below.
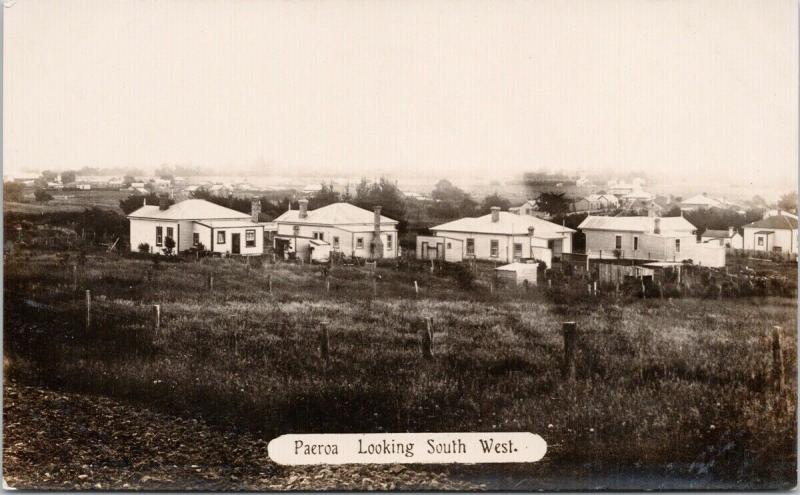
(637, 224)
(774, 222)
(507, 224)
(334, 214)
(701, 199)
(190, 209)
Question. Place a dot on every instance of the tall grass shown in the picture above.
(664, 384)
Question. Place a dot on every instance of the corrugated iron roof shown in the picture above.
(507, 224)
(774, 222)
(637, 224)
(334, 214)
(190, 209)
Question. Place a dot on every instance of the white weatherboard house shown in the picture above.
(729, 238)
(777, 233)
(500, 236)
(194, 222)
(338, 227)
(648, 238)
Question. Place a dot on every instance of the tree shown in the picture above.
(450, 201)
(169, 245)
(385, 194)
(68, 176)
(41, 195)
(13, 191)
(136, 201)
(788, 202)
(324, 197)
(552, 203)
(493, 200)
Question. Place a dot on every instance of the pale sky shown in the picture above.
(700, 89)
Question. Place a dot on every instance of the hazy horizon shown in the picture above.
(683, 91)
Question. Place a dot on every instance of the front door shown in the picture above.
(236, 243)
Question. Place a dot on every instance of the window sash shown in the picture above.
(470, 246)
(494, 248)
(359, 243)
(195, 239)
(677, 245)
(221, 237)
(250, 237)
(159, 236)
(618, 242)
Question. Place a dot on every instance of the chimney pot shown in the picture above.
(495, 214)
(303, 208)
(162, 202)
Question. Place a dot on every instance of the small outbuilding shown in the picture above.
(517, 273)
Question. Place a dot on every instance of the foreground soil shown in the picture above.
(71, 441)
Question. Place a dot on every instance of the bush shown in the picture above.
(169, 246)
(144, 248)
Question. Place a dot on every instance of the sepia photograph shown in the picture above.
(336, 245)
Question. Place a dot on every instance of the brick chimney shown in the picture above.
(376, 235)
(495, 214)
(163, 204)
(255, 208)
(303, 208)
(657, 225)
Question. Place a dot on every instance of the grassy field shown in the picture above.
(669, 393)
(76, 201)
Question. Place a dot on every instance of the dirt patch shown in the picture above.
(70, 441)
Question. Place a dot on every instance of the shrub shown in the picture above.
(169, 245)
(143, 248)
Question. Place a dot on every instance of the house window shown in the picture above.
(517, 250)
(169, 233)
(221, 237)
(195, 238)
(388, 242)
(635, 243)
(449, 245)
(250, 238)
(471, 246)
(335, 242)
(359, 243)
(494, 248)
(760, 241)
(677, 245)
(296, 230)
(618, 242)
(319, 236)
(159, 236)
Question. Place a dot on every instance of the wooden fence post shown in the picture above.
(427, 339)
(88, 309)
(211, 282)
(570, 332)
(777, 359)
(74, 277)
(269, 282)
(327, 284)
(589, 287)
(324, 342)
(374, 286)
(156, 318)
(416, 289)
(594, 289)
